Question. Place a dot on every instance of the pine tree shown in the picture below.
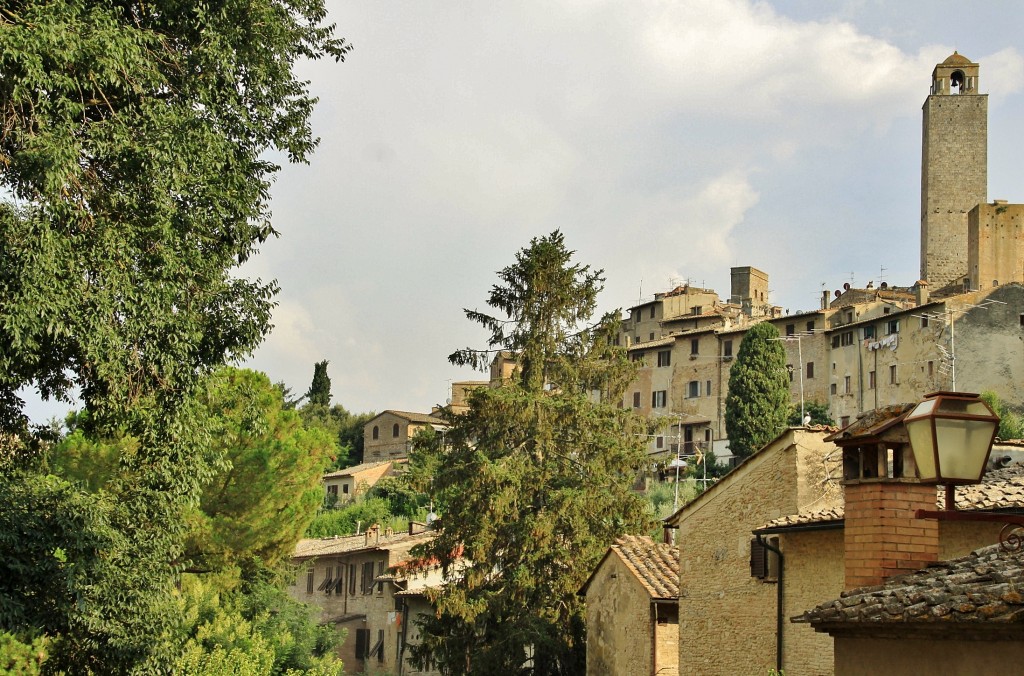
(319, 392)
(537, 476)
(757, 405)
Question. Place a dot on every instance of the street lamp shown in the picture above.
(951, 434)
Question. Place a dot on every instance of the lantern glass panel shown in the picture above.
(922, 409)
(920, 432)
(963, 447)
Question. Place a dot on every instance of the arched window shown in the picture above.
(394, 430)
(376, 432)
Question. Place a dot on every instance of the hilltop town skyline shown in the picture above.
(669, 144)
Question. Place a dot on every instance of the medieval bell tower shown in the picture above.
(954, 168)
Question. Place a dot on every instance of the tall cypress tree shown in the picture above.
(537, 476)
(319, 393)
(758, 401)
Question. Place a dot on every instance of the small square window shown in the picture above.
(832, 388)
(810, 326)
(727, 345)
(659, 442)
(693, 389)
(790, 329)
(924, 321)
(665, 358)
(658, 399)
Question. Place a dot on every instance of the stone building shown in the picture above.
(633, 610)
(389, 435)
(349, 483)
(346, 578)
(954, 168)
(727, 616)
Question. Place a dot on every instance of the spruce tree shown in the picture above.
(537, 476)
(757, 405)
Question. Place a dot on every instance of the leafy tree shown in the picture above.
(361, 512)
(319, 392)
(135, 179)
(537, 476)
(1011, 424)
(757, 405)
(270, 486)
(820, 415)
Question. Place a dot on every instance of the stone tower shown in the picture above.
(954, 168)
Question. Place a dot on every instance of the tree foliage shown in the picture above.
(319, 392)
(135, 178)
(757, 405)
(537, 476)
(1011, 424)
(819, 412)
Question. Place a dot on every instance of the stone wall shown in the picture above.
(954, 179)
(814, 572)
(907, 657)
(619, 632)
(995, 244)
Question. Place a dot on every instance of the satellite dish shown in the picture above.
(838, 293)
(885, 285)
(846, 287)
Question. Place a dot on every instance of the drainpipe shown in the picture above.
(778, 602)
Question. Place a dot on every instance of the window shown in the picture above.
(892, 375)
(764, 563)
(846, 385)
(344, 489)
(835, 340)
(931, 369)
(652, 336)
(362, 644)
(846, 338)
(844, 421)
(790, 329)
(339, 580)
(693, 389)
(659, 442)
(351, 579)
(380, 571)
(789, 370)
(665, 358)
(810, 370)
(869, 331)
(871, 380)
(394, 430)
(695, 346)
(328, 582)
(696, 310)
(637, 338)
(886, 310)
(810, 326)
(332, 490)
(378, 647)
(309, 580)
(708, 390)
(636, 400)
(636, 356)
(652, 312)
(832, 389)
(366, 580)
(1022, 320)
(892, 326)
(658, 399)
(376, 432)
(727, 345)
(924, 321)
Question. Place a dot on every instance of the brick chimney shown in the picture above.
(881, 536)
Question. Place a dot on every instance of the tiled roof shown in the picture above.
(309, 548)
(349, 471)
(982, 587)
(417, 417)
(655, 564)
(872, 422)
(657, 342)
(827, 515)
(999, 489)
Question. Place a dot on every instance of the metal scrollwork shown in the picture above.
(1011, 537)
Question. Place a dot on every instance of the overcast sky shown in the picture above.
(669, 141)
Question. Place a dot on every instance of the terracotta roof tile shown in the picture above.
(655, 564)
(309, 548)
(981, 587)
(349, 471)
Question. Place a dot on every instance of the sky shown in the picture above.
(668, 141)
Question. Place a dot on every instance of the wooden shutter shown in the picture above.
(758, 560)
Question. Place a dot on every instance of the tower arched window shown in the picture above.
(376, 432)
(394, 430)
(957, 82)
